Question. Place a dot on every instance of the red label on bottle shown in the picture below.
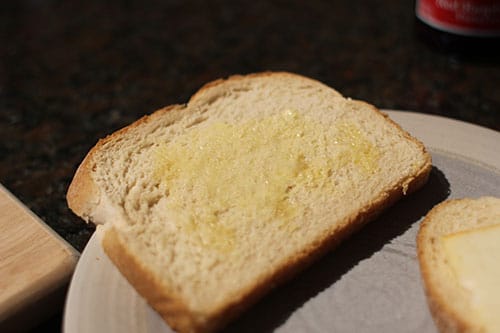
(464, 17)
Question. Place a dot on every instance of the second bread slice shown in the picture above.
(458, 256)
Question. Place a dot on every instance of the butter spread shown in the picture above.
(474, 256)
(255, 167)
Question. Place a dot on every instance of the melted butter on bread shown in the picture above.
(255, 167)
(474, 256)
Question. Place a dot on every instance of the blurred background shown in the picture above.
(72, 72)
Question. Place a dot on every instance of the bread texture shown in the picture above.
(211, 204)
(449, 302)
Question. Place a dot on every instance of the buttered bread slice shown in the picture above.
(210, 204)
(459, 254)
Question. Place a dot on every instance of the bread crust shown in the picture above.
(444, 317)
(234, 78)
(165, 301)
(84, 196)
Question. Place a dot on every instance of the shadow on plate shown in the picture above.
(274, 309)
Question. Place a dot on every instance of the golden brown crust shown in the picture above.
(83, 194)
(233, 78)
(82, 190)
(169, 305)
(445, 318)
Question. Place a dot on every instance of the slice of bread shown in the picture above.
(450, 239)
(211, 204)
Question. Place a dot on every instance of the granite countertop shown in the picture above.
(72, 72)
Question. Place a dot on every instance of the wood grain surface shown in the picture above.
(35, 266)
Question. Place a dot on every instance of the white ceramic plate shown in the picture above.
(371, 283)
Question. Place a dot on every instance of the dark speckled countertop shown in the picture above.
(72, 72)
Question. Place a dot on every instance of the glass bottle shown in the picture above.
(469, 28)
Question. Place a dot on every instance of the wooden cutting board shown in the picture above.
(35, 266)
